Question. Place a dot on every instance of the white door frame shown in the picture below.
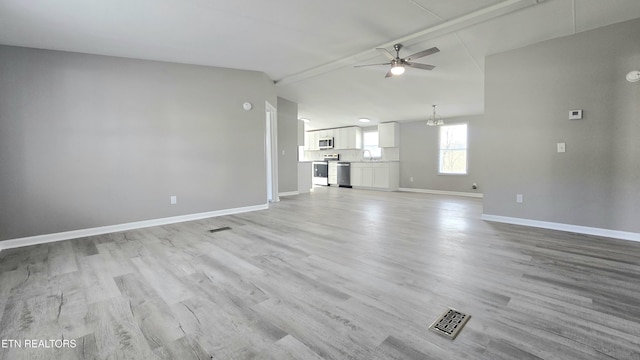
(271, 152)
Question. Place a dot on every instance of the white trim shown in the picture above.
(67, 235)
(624, 235)
(289, 193)
(271, 151)
(443, 192)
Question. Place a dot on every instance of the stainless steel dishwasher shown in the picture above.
(344, 174)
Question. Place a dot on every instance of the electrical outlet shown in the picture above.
(411, 179)
(519, 198)
(474, 186)
(561, 147)
(174, 200)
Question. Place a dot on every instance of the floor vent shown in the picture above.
(219, 229)
(450, 323)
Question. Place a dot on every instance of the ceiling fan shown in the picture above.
(398, 64)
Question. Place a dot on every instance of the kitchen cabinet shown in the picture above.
(367, 176)
(376, 175)
(348, 138)
(339, 141)
(333, 173)
(354, 138)
(380, 177)
(311, 142)
(343, 138)
(388, 134)
(356, 174)
(327, 133)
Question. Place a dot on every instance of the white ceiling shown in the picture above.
(310, 47)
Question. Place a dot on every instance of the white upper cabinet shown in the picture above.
(348, 138)
(343, 138)
(354, 138)
(325, 133)
(311, 141)
(388, 134)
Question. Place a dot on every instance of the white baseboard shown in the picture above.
(442, 192)
(624, 235)
(67, 235)
(289, 193)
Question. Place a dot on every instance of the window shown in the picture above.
(370, 144)
(453, 149)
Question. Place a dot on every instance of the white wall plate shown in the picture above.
(633, 76)
(575, 114)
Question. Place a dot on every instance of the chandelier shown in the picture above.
(435, 120)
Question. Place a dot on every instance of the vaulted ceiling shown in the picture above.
(310, 47)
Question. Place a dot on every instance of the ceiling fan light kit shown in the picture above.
(399, 65)
(397, 69)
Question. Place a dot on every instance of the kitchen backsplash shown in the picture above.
(388, 154)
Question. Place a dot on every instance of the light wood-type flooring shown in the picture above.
(335, 274)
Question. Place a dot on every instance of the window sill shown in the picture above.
(447, 174)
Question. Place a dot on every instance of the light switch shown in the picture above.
(174, 200)
(561, 147)
(519, 198)
(575, 114)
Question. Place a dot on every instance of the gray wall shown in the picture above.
(529, 93)
(287, 146)
(419, 157)
(89, 141)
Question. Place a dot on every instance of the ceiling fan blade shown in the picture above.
(422, 53)
(386, 53)
(420, 66)
(371, 65)
(389, 74)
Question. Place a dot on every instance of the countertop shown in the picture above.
(374, 161)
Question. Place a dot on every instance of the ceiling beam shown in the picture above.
(444, 28)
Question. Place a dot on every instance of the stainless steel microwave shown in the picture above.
(325, 143)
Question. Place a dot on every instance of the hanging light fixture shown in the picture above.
(435, 120)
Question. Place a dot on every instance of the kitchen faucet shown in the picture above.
(367, 151)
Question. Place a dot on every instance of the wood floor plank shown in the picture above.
(152, 314)
(117, 334)
(168, 285)
(334, 274)
(97, 282)
(394, 348)
(184, 348)
(61, 259)
(290, 348)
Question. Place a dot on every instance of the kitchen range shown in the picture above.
(320, 173)
(331, 171)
